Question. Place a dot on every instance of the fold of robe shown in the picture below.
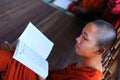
(13, 70)
(87, 4)
(92, 4)
(73, 73)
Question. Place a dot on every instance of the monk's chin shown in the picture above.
(76, 51)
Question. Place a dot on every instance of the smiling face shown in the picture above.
(86, 44)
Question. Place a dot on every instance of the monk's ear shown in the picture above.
(101, 51)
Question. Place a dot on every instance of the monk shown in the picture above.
(11, 69)
(96, 38)
(112, 13)
(87, 9)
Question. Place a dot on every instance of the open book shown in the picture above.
(32, 49)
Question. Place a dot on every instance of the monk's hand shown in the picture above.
(6, 46)
(40, 78)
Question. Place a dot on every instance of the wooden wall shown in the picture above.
(111, 61)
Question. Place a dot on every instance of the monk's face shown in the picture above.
(86, 42)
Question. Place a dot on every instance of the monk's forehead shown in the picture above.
(90, 27)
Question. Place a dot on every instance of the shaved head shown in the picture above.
(106, 34)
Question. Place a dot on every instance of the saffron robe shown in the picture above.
(13, 70)
(87, 4)
(92, 4)
(73, 73)
(87, 9)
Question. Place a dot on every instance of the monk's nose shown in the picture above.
(78, 40)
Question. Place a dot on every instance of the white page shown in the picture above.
(30, 59)
(62, 3)
(36, 40)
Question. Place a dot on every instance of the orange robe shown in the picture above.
(13, 70)
(73, 73)
(87, 4)
(87, 9)
(92, 4)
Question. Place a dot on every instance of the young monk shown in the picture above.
(96, 38)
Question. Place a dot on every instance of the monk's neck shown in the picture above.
(94, 63)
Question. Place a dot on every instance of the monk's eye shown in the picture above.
(84, 37)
